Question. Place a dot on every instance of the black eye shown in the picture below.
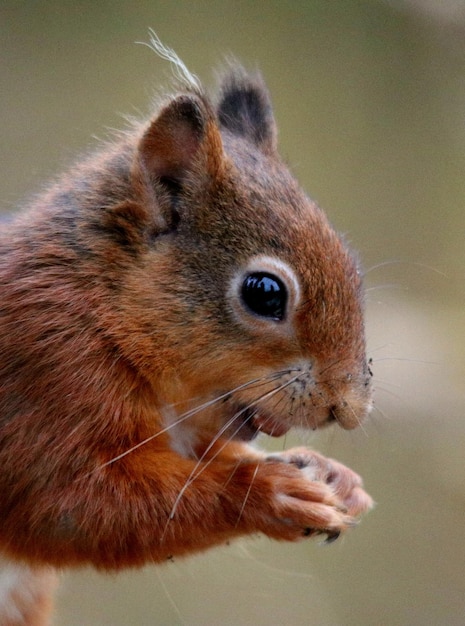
(265, 295)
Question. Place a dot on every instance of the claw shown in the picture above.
(332, 536)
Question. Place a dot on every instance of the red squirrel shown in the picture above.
(164, 302)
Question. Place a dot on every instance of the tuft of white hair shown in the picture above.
(179, 69)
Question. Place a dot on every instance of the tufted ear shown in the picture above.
(182, 138)
(244, 109)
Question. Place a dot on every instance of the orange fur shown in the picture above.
(132, 371)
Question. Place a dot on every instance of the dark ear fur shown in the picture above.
(244, 109)
(183, 136)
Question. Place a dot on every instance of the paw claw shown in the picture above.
(331, 537)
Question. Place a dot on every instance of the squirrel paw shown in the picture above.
(312, 495)
(346, 484)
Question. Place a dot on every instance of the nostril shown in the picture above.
(332, 414)
(345, 415)
(337, 411)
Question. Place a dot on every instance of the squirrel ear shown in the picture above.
(183, 135)
(245, 109)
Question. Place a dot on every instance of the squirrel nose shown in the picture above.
(350, 412)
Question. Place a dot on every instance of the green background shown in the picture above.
(370, 102)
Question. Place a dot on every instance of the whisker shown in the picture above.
(246, 497)
(404, 262)
(381, 347)
(277, 572)
(392, 394)
(381, 412)
(282, 401)
(386, 286)
(407, 360)
(382, 264)
(249, 384)
(381, 381)
(183, 418)
(170, 597)
(239, 461)
(200, 466)
(328, 367)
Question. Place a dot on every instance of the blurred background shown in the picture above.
(370, 102)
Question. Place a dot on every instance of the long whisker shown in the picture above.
(246, 497)
(407, 360)
(382, 264)
(403, 262)
(383, 414)
(381, 347)
(386, 286)
(392, 394)
(328, 367)
(382, 381)
(200, 466)
(184, 417)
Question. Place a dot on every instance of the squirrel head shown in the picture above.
(238, 287)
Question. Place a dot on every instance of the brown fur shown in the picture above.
(116, 319)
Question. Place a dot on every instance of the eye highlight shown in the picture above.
(265, 295)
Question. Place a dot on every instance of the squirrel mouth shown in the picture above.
(254, 422)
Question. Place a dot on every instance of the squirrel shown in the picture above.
(167, 300)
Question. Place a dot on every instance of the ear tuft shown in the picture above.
(245, 109)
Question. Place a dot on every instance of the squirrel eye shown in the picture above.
(265, 295)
